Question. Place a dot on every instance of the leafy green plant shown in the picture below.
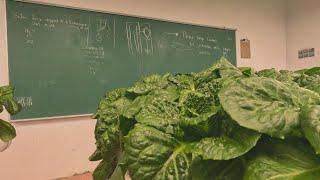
(221, 123)
(7, 131)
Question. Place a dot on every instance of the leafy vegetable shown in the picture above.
(310, 122)
(287, 160)
(266, 105)
(7, 131)
(220, 123)
(153, 154)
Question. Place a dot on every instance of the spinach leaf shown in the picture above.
(153, 154)
(266, 105)
(7, 131)
(310, 123)
(283, 160)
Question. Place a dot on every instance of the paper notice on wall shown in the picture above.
(245, 48)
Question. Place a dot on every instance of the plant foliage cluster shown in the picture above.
(221, 123)
(7, 101)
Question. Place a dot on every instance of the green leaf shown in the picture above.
(309, 82)
(105, 102)
(161, 114)
(7, 131)
(283, 160)
(226, 147)
(149, 84)
(221, 69)
(153, 154)
(284, 76)
(310, 123)
(104, 170)
(218, 170)
(7, 100)
(120, 170)
(183, 81)
(247, 71)
(268, 73)
(228, 142)
(96, 156)
(194, 103)
(266, 105)
(137, 104)
(12, 106)
(312, 71)
(118, 174)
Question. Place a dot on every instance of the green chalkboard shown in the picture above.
(62, 60)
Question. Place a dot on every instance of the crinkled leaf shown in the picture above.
(153, 154)
(221, 69)
(7, 131)
(163, 115)
(194, 103)
(226, 69)
(105, 102)
(109, 142)
(196, 112)
(137, 104)
(284, 76)
(7, 100)
(199, 126)
(266, 105)
(211, 89)
(12, 106)
(227, 147)
(309, 82)
(183, 81)
(148, 84)
(284, 160)
(230, 141)
(107, 130)
(171, 93)
(310, 123)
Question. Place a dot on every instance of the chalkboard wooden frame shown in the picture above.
(113, 13)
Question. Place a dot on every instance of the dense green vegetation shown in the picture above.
(221, 123)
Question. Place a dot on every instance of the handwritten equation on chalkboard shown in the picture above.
(139, 37)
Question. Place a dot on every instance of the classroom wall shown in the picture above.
(57, 148)
(303, 29)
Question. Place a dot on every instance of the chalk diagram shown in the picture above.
(139, 38)
(173, 40)
(104, 29)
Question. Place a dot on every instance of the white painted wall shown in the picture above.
(303, 28)
(56, 148)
